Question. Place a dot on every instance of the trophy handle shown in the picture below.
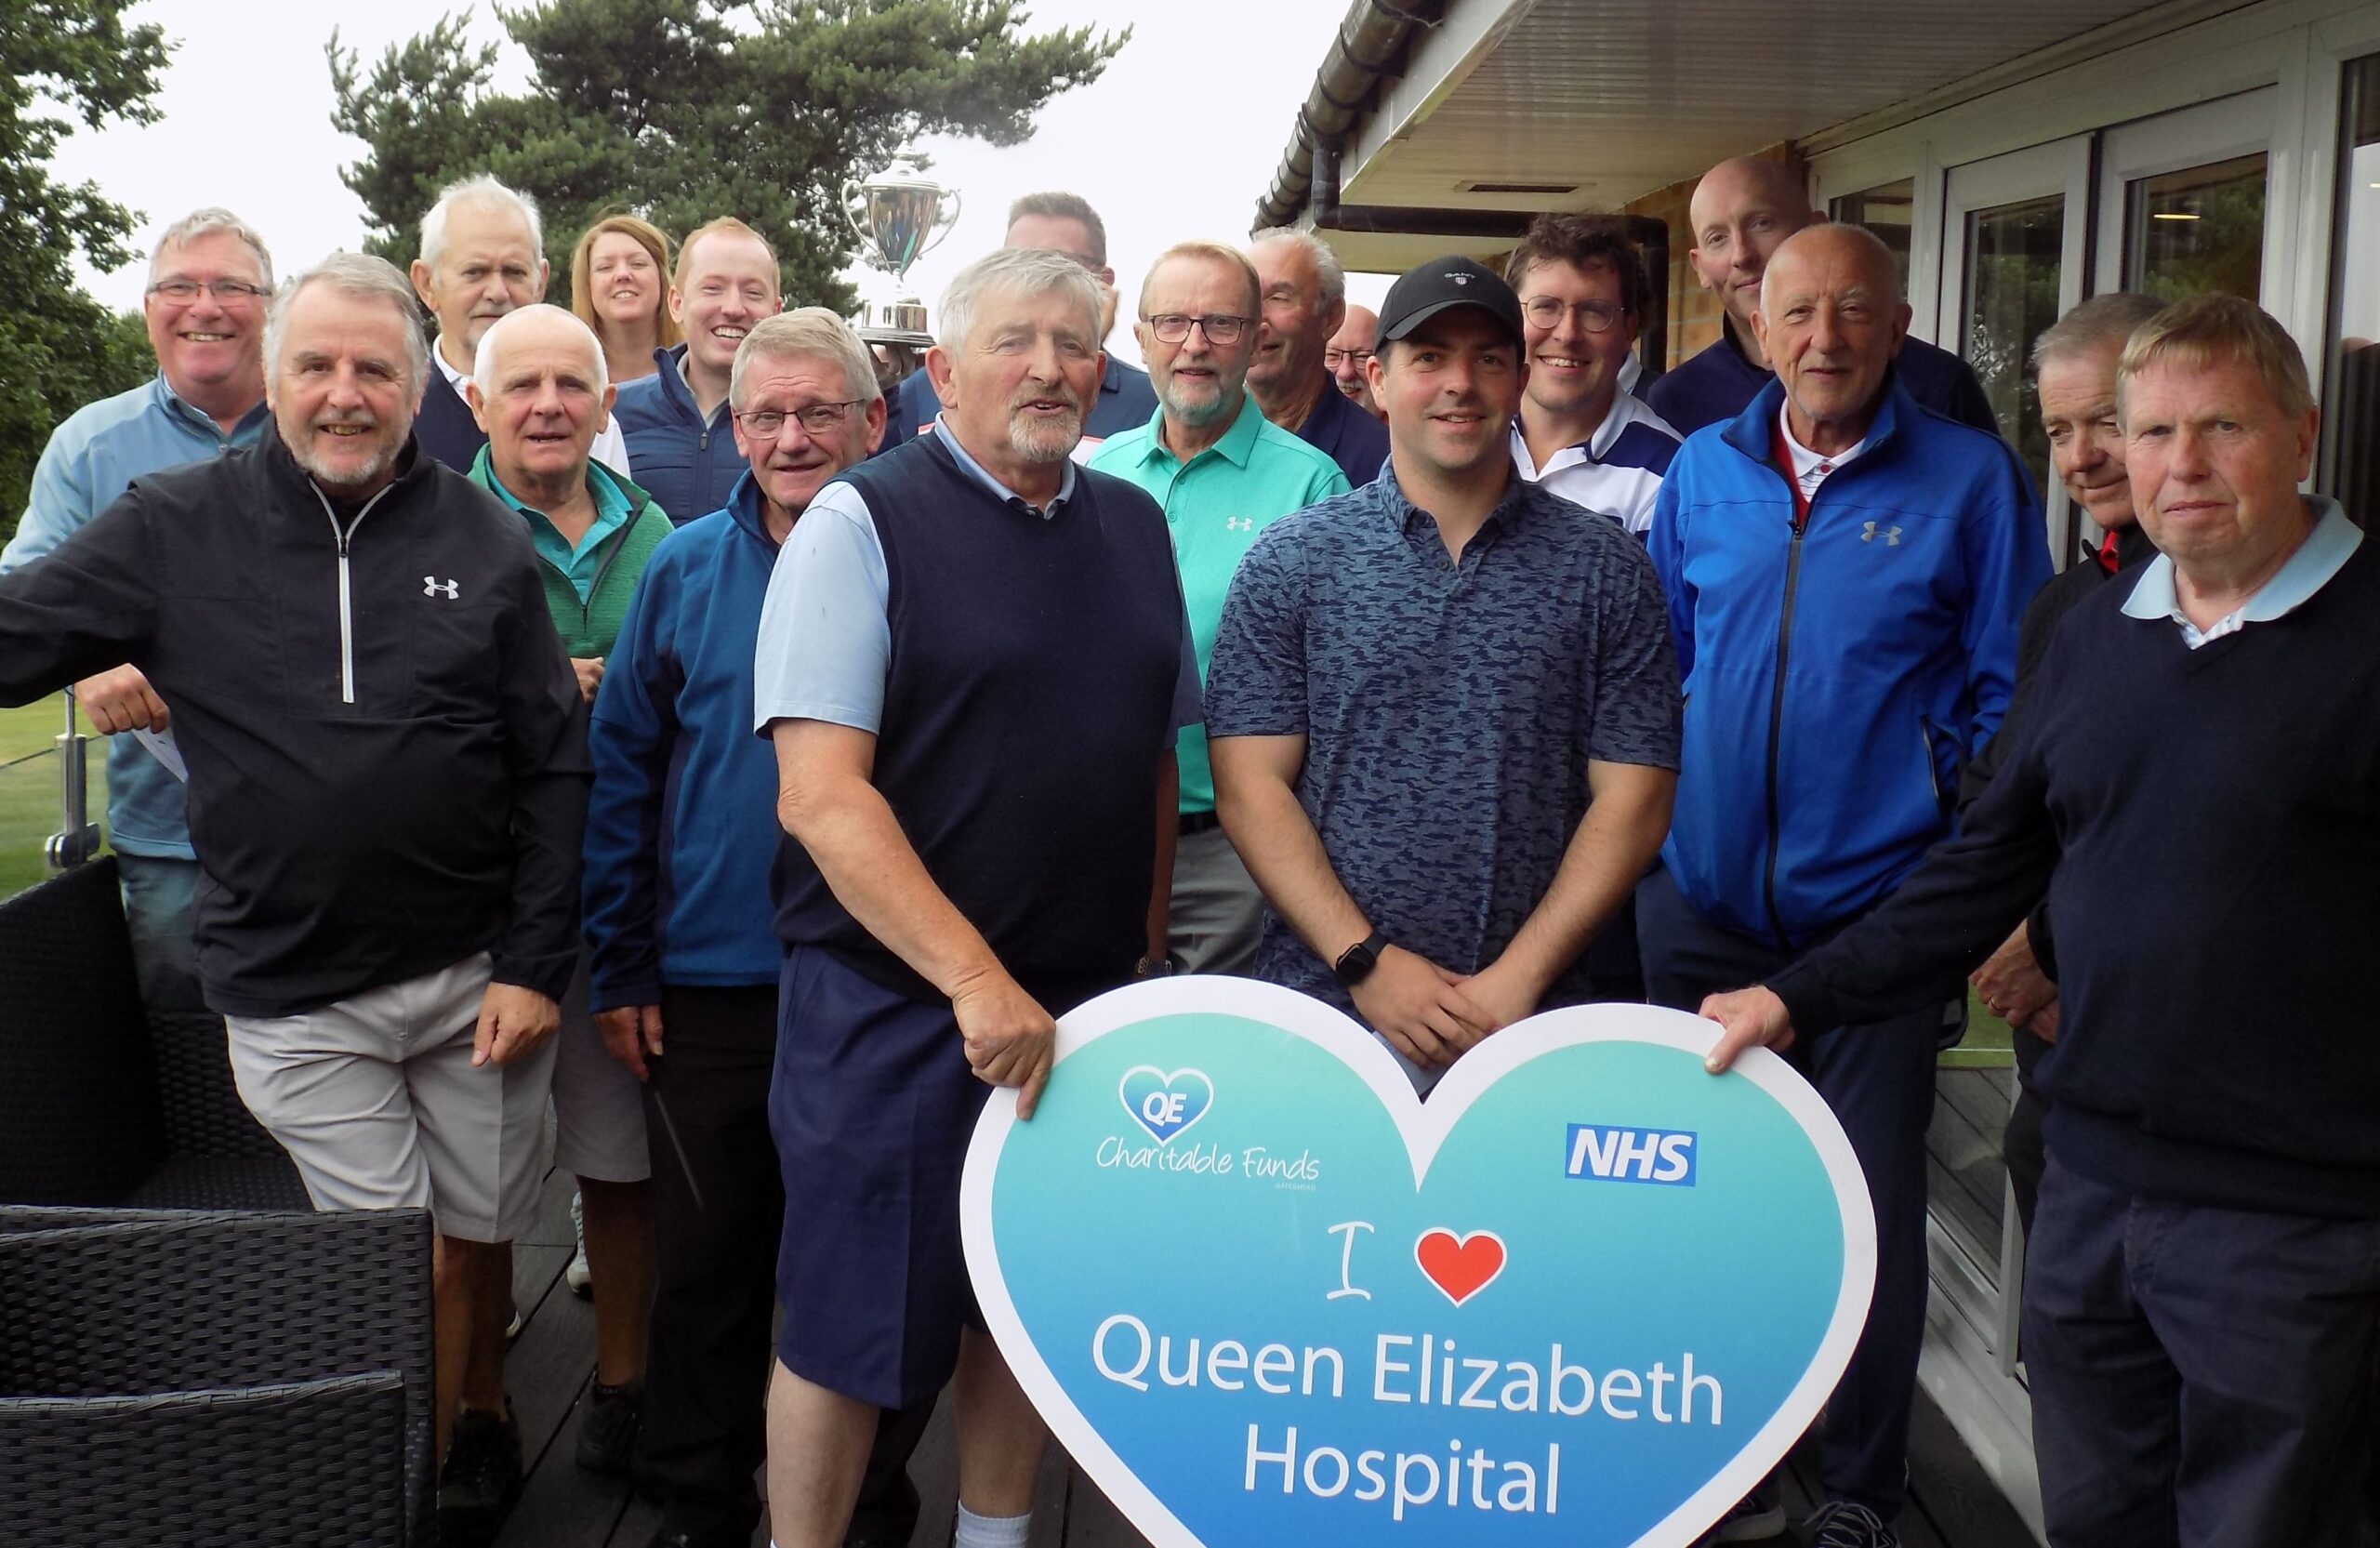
(855, 201)
(944, 221)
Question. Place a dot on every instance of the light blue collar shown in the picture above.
(2328, 547)
(983, 475)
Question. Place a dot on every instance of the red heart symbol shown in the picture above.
(1462, 1267)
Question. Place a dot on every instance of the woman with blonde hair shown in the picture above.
(619, 287)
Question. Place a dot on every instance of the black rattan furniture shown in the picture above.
(214, 1378)
(102, 1104)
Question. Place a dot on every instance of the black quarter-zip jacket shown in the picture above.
(386, 745)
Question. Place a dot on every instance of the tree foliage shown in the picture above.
(685, 109)
(60, 61)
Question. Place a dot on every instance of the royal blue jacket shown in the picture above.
(682, 824)
(1717, 383)
(1838, 671)
(687, 464)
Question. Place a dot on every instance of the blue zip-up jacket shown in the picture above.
(682, 825)
(687, 465)
(1838, 675)
(91, 459)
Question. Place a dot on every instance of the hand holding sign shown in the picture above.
(1585, 1295)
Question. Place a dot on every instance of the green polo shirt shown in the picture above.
(1215, 505)
(580, 563)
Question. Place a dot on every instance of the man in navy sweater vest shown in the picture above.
(2195, 780)
(1743, 209)
(973, 660)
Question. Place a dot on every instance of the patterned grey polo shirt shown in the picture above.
(1450, 710)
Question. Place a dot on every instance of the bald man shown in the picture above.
(1844, 576)
(1346, 353)
(1742, 210)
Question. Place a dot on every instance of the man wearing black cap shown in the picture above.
(1442, 707)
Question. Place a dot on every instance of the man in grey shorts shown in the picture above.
(388, 781)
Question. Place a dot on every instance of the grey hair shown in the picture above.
(1058, 206)
(206, 222)
(2095, 324)
(1329, 272)
(483, 364)
(1021, 271)
(485, 193)
(806, 333)
(361, 277)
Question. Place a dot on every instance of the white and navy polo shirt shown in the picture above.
(1618, 471)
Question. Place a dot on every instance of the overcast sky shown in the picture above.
(1178, 138)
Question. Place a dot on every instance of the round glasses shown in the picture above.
(1544, 311)
(816, 419)
(1173, 328)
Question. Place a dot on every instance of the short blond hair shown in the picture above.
(1211, 252)
(2203, 329)
(806, 333)
(726, 225)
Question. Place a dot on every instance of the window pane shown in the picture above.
(1885, 210)
(2197, 229)
(2014, 254)
(2352, 415)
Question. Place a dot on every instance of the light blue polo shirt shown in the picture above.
(1214, 506)
(2332, 541)
(88, 462)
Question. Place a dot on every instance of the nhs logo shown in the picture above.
(1598, 1152)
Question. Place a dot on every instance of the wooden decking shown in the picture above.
(553, 1364)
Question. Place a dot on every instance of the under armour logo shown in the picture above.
(1892, 535)
(1239, 524)
(1459, 279)
(433, 587)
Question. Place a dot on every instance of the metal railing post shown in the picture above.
(77, 838)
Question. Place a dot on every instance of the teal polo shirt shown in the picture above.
(581, 564)
(1215, 504)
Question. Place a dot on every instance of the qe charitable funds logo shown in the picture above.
(1416, 1368)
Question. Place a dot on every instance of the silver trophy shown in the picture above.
(899, 215)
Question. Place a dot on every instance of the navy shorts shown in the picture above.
(872, 1106)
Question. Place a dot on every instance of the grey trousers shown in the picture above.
(1216, 914)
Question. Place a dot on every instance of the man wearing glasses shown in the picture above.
(1224, 473)
(208, 281)
(1347, 354)
(1581, 433)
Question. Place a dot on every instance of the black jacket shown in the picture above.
(387, 750)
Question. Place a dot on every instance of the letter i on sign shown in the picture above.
(1347, 1260)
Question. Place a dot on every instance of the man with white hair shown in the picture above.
(1304, 293)
(1348, 354)
(482, 255)
(680, 831)
(209, 278)
(972, 664)
(388, 781)
(539, 388)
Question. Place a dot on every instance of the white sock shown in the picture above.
(992, 1531)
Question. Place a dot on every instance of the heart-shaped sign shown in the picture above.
(1586, 1295)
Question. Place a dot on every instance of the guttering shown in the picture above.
(1371, 38)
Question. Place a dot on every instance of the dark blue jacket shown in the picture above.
(1347, 429)
(686, 465)
(682, 823)
(1837, 674)
(1717, 383)
(445, 427)
(1125, 402)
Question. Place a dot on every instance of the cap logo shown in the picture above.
(1459, 279)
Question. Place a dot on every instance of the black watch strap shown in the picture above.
(1357, 962)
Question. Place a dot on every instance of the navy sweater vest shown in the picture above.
(1027, 704)
(444, 425)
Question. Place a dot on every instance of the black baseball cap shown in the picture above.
(1425, 290)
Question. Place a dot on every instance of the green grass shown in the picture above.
(29, 784)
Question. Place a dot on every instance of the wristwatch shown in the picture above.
(1357, 962)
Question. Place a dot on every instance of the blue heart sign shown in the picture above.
(1586, 1295)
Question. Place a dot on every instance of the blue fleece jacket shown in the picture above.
(680, 826)
(1837, 674)
(687, 464)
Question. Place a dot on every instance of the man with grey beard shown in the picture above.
(973, 665)
(1224, 473)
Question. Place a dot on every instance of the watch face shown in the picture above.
(1356, 962)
